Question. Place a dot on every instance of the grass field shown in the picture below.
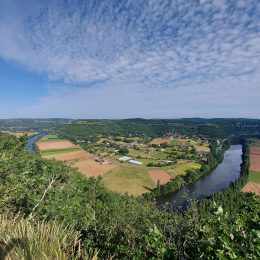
(131, 180)
(184, 165)
(254, 176)
(190, 142)
(253, 184)
(59, 151)
(50, 137)
(136, 153)
(256, 144)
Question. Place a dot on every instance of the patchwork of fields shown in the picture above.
(51, 146)
(253, 184)
(116, 177)
(125, 177)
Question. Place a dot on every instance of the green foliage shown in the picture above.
(223, 236)
(123, 151)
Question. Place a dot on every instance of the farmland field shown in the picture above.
(184, 165)
(19, 134)
(255, 162)
(59, 151)
(52, 147)
(71, 156)
(254, 176)
(252, 187)
(50, 137)
(89, 167)
(132, 180)
(163, 158)
(253, 184)
(255, 150)
(159, 175)
(160, 141)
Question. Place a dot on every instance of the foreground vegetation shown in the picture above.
(33, 189)
(23, 239)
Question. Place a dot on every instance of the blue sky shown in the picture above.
(131, 58)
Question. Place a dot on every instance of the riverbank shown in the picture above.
(214, 159)
(226, 172)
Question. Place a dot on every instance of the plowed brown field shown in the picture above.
(252, 187)
(160, 141)
(84, 161)
(160, 175)
(255, 162)
(90, 168)
(255, 150)
(55, 145)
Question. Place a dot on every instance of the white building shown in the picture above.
(135, 162)
(124, 159)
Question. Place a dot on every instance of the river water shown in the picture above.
(30, 144)
(226, 172)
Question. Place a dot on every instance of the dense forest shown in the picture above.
(87, 129)
(48, 209)
(209, 128)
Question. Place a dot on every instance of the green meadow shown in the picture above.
(59, 151)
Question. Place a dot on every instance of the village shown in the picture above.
(158, 152)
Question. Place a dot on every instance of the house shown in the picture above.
(135, 162)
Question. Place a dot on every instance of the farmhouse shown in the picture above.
(135, 162)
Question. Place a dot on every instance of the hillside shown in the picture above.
(121, 226)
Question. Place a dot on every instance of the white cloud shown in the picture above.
(137, 49)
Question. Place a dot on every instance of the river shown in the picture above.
(30, 144)
(226, 172)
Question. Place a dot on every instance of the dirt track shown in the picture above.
(252, 187)
(160, 175)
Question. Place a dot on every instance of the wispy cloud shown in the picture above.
(137, 45)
